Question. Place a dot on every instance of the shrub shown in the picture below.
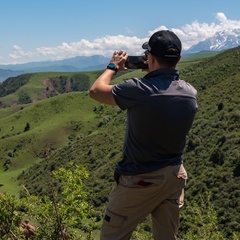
(217, 157)
(24, 98)
(54, 217)
(202, 220)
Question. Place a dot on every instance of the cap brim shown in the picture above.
(145, 45)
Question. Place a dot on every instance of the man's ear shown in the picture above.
(151, 58)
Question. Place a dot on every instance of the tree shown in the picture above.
(24, 98)
(27, 127)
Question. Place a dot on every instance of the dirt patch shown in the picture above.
(49, 90)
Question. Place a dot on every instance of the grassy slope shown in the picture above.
(51, 121)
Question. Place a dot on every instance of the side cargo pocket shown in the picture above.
(114, 219)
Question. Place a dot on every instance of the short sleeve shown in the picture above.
(127, 93)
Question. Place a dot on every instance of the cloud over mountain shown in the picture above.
(190, 34)
(222, 40)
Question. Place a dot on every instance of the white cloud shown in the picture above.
(100, 46)
(221, 17)
(227, 24)
(195, 32)
(189, 34)
(19, 53)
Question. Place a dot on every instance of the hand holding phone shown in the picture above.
(136, 62)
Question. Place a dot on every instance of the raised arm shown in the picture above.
(101, 89)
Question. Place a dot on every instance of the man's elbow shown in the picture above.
(92, 93)
(99, 95)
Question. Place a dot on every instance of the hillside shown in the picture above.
(40, 136)
(36, 118)
(213, 151)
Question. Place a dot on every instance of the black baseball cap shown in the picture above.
(164, 43)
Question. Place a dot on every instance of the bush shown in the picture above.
(202, 221)
(24, 98)
(55, 217)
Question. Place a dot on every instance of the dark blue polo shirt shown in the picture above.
(160, 111)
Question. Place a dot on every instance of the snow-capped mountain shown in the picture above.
(220, 41)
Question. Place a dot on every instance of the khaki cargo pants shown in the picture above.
(159, 193)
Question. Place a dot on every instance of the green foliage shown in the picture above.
(9, 218)
(55, 217)
(27, 127)
(201, 220)
(24, 98)
(66, 209)
(73, 195)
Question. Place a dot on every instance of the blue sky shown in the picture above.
(37, 30)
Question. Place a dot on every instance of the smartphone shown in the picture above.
(136, 62)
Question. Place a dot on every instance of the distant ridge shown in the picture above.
(75, 64)
(6, 73)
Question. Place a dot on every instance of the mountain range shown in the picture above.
(75, 64)
(222, 40)
(6, 73)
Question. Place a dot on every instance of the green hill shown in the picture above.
(213, 151)
(60, 123)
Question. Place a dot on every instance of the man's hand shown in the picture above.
(119, 58)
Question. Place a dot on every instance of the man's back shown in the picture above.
(160, 113)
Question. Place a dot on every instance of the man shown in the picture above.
(160, 111)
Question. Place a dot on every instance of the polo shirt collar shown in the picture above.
(164, 73)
